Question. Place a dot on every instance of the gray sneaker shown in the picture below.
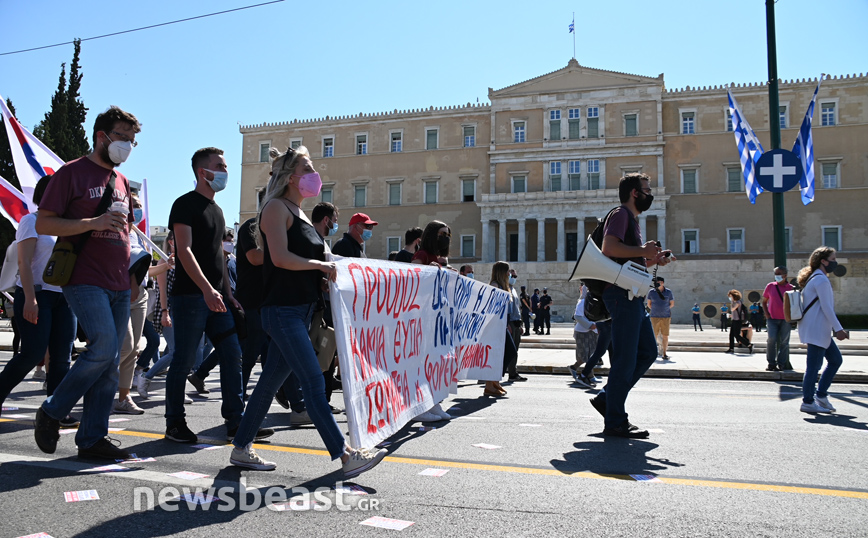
(300, 419)
(361, 460)
(127, 407)
(143, 386)
(248, 458)
(813, 408)
(824, 403)
(575, 373)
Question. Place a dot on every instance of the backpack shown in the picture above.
(595, 310)
(794, 309)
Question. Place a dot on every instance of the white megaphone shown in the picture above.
(593, 264)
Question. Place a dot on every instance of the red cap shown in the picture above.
(364, 219)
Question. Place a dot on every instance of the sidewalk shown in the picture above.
(696, 354)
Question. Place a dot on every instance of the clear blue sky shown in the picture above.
(193, 83)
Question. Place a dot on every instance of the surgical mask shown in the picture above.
(219, 181)
(644, 203)
(512, 281)
(779, 278)
(830, 268)
(367, 235)
(228, 246)
(469, 275)
(309, 185)
(138, 215)
(119, 150)
(333, 230)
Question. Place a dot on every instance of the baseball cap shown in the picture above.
(364, 219)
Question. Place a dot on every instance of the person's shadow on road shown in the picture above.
(844, 421)
(613, 457)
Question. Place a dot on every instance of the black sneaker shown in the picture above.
(69, 422)
(180, 433)
(280, 398)
(262, 433)
(335, 410)
(105, 449)
(586, 381)
(517, 377)
(46, 432)
(198, 384)
(599, 404)
(772, 368)
(626, 430)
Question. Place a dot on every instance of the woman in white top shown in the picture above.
(44, 318)
(816, 328)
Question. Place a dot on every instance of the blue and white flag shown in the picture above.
(572, 27)
(749, 148)
(804, 150)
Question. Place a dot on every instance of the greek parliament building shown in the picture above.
(524, 178)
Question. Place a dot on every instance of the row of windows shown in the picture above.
(735, 178)
(735, 238)
(396, 142)
(430, 192)
(574, 118)
(827, 118)
(574, 180)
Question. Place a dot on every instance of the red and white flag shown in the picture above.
(144, 225)
(13, 204)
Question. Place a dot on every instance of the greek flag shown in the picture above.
(749, 148)
(572, 27)
(804, 150)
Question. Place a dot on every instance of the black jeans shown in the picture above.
(735, 334)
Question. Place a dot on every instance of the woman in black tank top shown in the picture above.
(293, 271)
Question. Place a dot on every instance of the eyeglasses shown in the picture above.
(123, 138)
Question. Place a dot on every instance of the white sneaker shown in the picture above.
(142, 387)
(428, 417)
(39, 374)
(813, 407)
(45, 386)
(299, 419)
(187, 400)
(824, 403)
(362, 460)
(127, 407)
(137, 377)
(248, 458)
(437, 410)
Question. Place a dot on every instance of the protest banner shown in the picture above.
(406, 335)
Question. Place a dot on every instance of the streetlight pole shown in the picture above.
(775, 133)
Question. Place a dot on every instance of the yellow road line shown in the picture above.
(552, 472)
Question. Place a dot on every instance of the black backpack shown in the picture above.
(595, 310)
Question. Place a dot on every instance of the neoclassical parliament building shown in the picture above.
(524, 178)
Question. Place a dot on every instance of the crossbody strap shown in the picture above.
(805, 311)
(101, 208)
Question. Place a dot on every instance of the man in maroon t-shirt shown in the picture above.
(99, 289)
(635, 347)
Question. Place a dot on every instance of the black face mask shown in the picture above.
(443, 244)
(830, 268)
(644, 203)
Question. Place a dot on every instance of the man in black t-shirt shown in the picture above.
(545, 313)
(198, 306)
(412, 238)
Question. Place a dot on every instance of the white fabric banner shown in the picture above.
(406, 335)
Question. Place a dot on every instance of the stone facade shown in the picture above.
(524, 178)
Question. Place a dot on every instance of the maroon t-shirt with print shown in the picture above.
(74, 193)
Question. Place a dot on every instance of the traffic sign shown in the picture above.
(778, 170)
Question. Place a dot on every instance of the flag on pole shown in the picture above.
(144, 225)
(13, 204)
(749, 148)
(804, 150)
(31, 157)
(572, 26)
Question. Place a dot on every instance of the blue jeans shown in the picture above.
(103, 314)
(815, 361)
(635, 350)
(604, 340)
(778, 342)
(54, 331)
(153, 345)
(291, 351)
(164, 361)
(191, 318)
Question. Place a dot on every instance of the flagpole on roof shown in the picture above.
(775, 133)
(573, 30)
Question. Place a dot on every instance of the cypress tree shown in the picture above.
(77, 112)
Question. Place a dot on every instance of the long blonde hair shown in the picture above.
(500, 275)
(817, 256)
(282, 167)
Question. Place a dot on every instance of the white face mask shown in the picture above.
(219, 181)
(119, 151)
(228, 246)
(779, 278)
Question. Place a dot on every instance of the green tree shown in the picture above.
(77, 112)
(62, 129)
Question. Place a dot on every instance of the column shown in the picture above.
(540, 240)
(562, 240)
(522, 243)
(661, 229)
(643, 228)
(501, 251)
(486, 241)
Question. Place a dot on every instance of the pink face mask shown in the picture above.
(310, 184)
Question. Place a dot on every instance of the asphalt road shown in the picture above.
(725, 458)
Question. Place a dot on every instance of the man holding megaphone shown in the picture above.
(635, 348)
